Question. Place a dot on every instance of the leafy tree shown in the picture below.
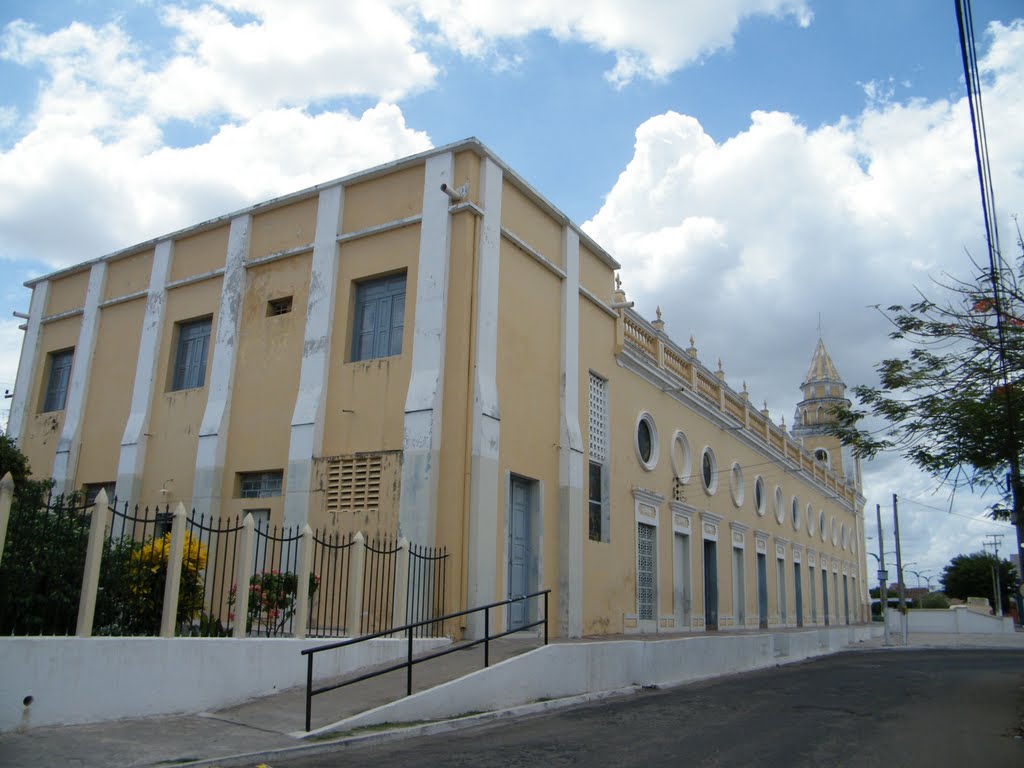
(44, 553)
(954, 405)
(935, 600)
(14, 461)
(971, 576)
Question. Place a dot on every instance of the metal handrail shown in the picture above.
(408, 663)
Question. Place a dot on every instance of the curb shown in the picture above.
(399, 733)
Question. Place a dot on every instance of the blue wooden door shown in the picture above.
(519, 551)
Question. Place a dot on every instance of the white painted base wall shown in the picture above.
(570, 669)
(92, 679)
(954, 621)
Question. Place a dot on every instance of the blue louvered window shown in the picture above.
(57, 382)
(379, 318)
(190, 360)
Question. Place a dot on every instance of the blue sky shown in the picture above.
(751, 163)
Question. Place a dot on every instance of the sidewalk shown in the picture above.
(263, 725)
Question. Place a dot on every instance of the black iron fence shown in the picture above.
(332, 562)
(41, 568)
(44, 565)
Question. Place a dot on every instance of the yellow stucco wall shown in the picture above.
(596, 276)
(176, 416)
(67, 292)
(200, 253)
(128, 275)
(284, 228)
(387, 198)
(110, 391)
(267, 365)
(530, 224)
(457, 404)
(528, 389)
(42, 429)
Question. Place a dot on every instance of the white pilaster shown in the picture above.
(65, 461)
(570, 515)
(484, 492)
(307, 430)
(132, 458)
(417, 512)
(28, 362)
(213, 430)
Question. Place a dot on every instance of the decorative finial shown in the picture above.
(618, 282)
(657, 311)
(692, 351)
(764, 411)
(659, 324)
(744, 394)
(783, 421)
(720, 373)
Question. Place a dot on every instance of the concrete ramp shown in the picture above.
(569, 669)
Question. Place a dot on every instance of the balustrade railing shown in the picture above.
(638, 335)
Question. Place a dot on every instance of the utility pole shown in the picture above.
(994, 543)
(883, 591)
(905, 630)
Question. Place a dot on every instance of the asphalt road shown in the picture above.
(886, 708)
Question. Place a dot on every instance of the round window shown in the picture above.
(736, 487)
(709, 471)
(646, 441)
(821, 524)
(821, 455)
(780, 509)
(810, 520)
(842, 534)
(681, 457)
(832, 525)
(796, 513)
(759, 500)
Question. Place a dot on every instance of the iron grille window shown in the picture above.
(92, 490)
(57, 382)
(379, 318)
(190, 359)
(645, 570)
(598, 418)
(596, 506)
(280, 306)
(597, 495)
(260, 485)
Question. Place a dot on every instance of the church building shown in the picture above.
(431, 349)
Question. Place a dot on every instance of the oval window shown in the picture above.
(759, 501)
(736, 487)
(709, 471)
(646, 441)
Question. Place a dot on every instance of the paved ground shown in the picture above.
(920, 708)
(263, 724)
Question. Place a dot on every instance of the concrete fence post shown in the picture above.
(6, 497)
(93, 557)
(243, 573)
(401, 596)
(353, 621)
(175, 554)
(302, 596)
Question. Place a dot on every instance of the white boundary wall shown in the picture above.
(92, 679)
(954, 621)
(569, 669)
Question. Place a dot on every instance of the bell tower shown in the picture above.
(823, 390)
